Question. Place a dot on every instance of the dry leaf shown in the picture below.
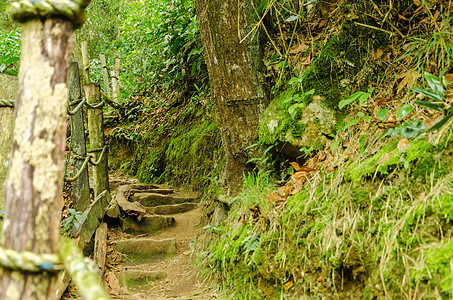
(299, 48)
(276, 198)
(403, 144)
(408, 79)
(188, 252)
(385, 158)
(295, 166)
(113, 283)
(449, 77)
(288, 285)
(378, 53)
(299, 176)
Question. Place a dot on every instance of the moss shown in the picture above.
(437, 271)
(379, 163)
(361, 197)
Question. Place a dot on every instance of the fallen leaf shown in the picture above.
(384, 159)
(378, 53)
(295, 166)
(403, 144)
(113, 283)
(299, 176)
(276, 198)
(288, 285)
(408, 79)
(299, 48)
(188, 252)
(449, 77)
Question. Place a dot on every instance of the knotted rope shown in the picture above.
(6, 103)
(29, 261)
(27, 9)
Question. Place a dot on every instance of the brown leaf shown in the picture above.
(299, 176)
(299, 48)
(403, 144)
(408, 79)
(275, 198)
(113, 283)
(449, 77)
(378, 53)
(295, 166)
(384, 159)
(288, 285)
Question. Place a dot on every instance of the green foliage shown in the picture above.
(158, 42)
(10, 51)
(75, 219)
(437, 93)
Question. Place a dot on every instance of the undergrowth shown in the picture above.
(383, 230)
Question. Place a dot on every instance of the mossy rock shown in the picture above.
(303, 129)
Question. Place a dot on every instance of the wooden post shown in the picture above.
(97, 140)
(86, 62)
(105, 72)
(116, 92)
(34, 184)
(81, 188)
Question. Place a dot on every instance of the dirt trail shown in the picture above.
(155, 261)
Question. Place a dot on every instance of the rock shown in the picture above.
(148, 224)
(156, 199)
(158, 191)
(306, 130)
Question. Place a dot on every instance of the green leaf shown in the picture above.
(412, 129)
(429, 94)
(363, 97)
(403, 111)
(382, 114)
(11, 60)
(310, 92)
(72, 210)
(434, 83)
(441, 123)
(11, 72)
(360, 114)
(428, 104)
(352, 122)
(348, 101)
(367, 118)
(334, 146)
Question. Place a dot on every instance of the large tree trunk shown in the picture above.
(236, 82)
(33, 189)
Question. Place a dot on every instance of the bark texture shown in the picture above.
(33, 189)
(234, 64)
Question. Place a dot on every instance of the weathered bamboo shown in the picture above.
(81, 188)
(105, 73)
(97, 140)
(100, 248)
(86, 62)
(33, 189)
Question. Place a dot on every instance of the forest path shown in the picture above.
(150, 255)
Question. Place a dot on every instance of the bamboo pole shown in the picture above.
(86, 62)
(97, 140)
(34, 185)
(81, 188)
(105, 73)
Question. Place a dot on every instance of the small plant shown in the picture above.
(437, 94)
(6, 62)
(74, 220)
(361, 96)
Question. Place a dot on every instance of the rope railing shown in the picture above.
(69, 257)
(6, 103)
(86, 161)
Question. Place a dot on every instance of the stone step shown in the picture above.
(138, 278)
(147, 224)
(144, 186)
(171, 209)
(144, 250)
(157, 191)
(155, 199)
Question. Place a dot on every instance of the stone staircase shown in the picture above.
(150, 253)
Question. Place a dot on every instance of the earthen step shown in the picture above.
(137, 278)
(145, 250)
(155, 199)
(148, 224)
(171, 209)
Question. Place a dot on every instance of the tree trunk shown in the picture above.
(33, 190)
(234, 64)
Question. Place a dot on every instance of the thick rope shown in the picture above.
(27, 9)
(29, 261)
(6, 103)
(87, 281)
